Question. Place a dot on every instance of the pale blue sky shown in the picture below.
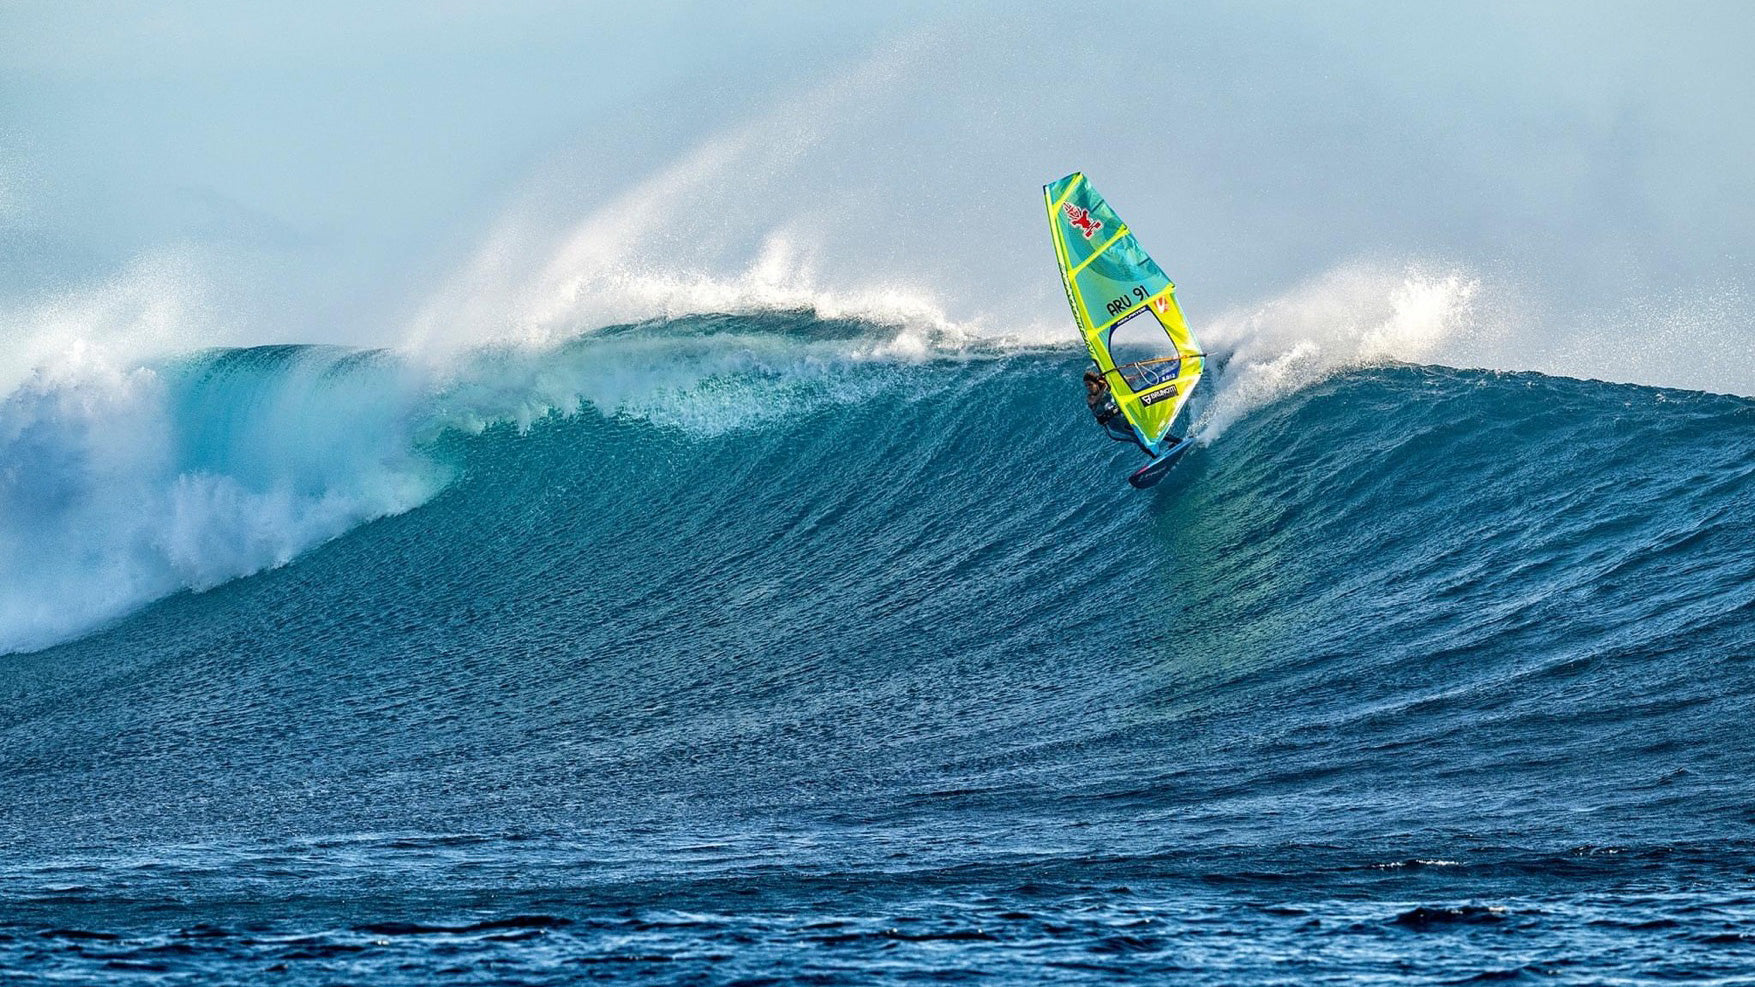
(334, 161)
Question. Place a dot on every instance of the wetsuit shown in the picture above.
(1108, 415)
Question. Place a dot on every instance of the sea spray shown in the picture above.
(1354, 316)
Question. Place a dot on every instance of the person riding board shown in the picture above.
(1101, 400)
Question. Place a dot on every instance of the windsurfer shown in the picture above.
(1101, 400)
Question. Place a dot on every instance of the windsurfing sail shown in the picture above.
(1126, 309)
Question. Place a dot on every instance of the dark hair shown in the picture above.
(1092, 376)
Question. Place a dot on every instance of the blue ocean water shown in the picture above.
(830, 668)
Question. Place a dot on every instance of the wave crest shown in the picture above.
(1351, 317)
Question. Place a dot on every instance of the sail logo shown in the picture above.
(1156, 396)
(1081, 218)
(1161, 303)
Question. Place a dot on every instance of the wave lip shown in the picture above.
(1352, 317)
(120, 487)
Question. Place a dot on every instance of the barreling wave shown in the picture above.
(123, 486)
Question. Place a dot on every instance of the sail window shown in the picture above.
(1143, 352)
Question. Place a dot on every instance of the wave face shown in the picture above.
(737, 645)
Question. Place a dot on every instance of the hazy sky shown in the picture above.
(329, 168)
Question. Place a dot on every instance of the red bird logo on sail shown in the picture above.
(1081, 218)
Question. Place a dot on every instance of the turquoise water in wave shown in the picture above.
(802, 665)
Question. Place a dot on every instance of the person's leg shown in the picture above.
(1121, 433)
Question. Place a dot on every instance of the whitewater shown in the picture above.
(669, 571)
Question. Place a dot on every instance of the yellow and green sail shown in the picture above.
(1126, 309)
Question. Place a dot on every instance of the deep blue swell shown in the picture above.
(916, 685)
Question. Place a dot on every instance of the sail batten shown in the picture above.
(1114, 286)
(1099, 251)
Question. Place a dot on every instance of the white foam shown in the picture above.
(1353, 316)
(1360, 315)
(115, 490)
